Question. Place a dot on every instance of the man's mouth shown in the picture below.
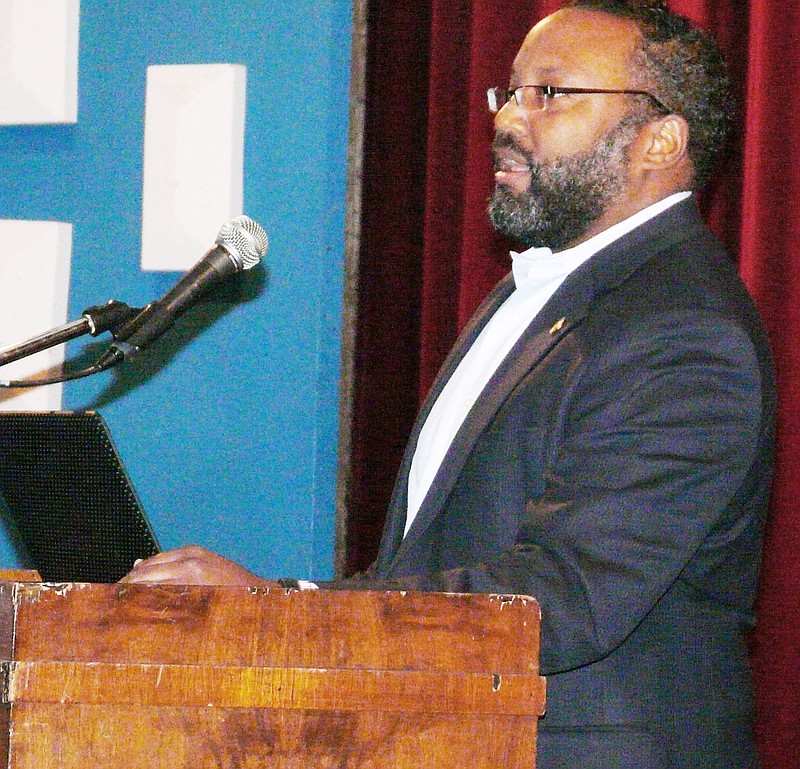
(511, 168)
(511, 165)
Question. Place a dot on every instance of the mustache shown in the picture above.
(505, 143)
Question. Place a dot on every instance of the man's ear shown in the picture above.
(666, 143)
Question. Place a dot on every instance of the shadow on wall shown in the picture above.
(128, 376)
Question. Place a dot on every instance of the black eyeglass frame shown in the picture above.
(549, 91)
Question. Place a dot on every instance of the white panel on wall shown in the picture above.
(34, 289)
(39, 61)
(193, 160)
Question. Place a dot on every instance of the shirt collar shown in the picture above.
(541, 264)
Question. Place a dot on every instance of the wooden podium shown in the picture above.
(102, 676)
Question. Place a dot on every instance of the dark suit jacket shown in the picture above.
(616, 468)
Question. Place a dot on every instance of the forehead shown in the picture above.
(577, 47)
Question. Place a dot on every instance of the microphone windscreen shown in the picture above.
(245, 240)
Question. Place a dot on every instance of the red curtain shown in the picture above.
(428, 255)
(769, 262)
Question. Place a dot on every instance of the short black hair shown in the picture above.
(683, 67)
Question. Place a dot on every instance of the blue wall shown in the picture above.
(228, 425)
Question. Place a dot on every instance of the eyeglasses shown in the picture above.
(537, 97)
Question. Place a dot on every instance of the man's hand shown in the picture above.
(193, 565)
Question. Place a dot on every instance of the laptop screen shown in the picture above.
(68, 499)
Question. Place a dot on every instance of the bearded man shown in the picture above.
(601, 435)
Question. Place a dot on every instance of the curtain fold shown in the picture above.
(429, 255)
(770, 265)
(386, 343)
(463, 258)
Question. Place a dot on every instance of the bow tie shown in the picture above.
(535, 264)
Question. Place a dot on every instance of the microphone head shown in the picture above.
(245, 240)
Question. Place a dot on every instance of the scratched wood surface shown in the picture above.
(130, 676)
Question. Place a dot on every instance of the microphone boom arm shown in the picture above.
(94, 320)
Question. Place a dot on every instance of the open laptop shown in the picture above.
(67, 497)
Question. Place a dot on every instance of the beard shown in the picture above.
(567, 195)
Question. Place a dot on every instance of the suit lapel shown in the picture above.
(547, 330)
(580, 293)
(394, 527)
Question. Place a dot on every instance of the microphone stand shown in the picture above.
(94, 320)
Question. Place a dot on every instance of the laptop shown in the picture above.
(68, 500)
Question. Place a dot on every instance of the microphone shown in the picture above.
(241, 243)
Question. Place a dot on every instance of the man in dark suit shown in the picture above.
(601, 435)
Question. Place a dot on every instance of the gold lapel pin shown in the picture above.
(558, 325)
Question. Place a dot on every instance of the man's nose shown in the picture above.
(511, 118)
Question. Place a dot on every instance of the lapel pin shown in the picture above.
(558, 325)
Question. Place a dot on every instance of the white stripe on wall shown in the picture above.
(193, 160)
(38, 61)
(34, 290)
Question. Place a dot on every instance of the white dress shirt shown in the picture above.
(538, 272)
